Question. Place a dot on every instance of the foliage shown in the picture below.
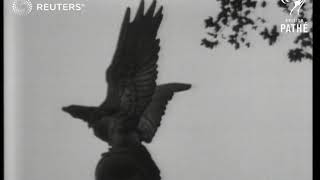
(238, 18)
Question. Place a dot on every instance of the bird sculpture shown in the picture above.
(132, 110)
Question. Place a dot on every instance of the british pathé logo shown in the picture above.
(296, 23)
(294, 26)
(21, 7)
(297, 4)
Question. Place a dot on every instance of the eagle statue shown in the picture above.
(135, 104)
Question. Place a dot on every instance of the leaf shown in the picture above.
(209, 44)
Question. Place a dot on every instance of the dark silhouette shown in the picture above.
(237, 19)
(132, 111)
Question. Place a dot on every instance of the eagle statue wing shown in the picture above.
(151, 118)
(132, 75)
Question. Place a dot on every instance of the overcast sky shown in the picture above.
(247, 117)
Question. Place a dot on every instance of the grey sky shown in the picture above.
(247, 117)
